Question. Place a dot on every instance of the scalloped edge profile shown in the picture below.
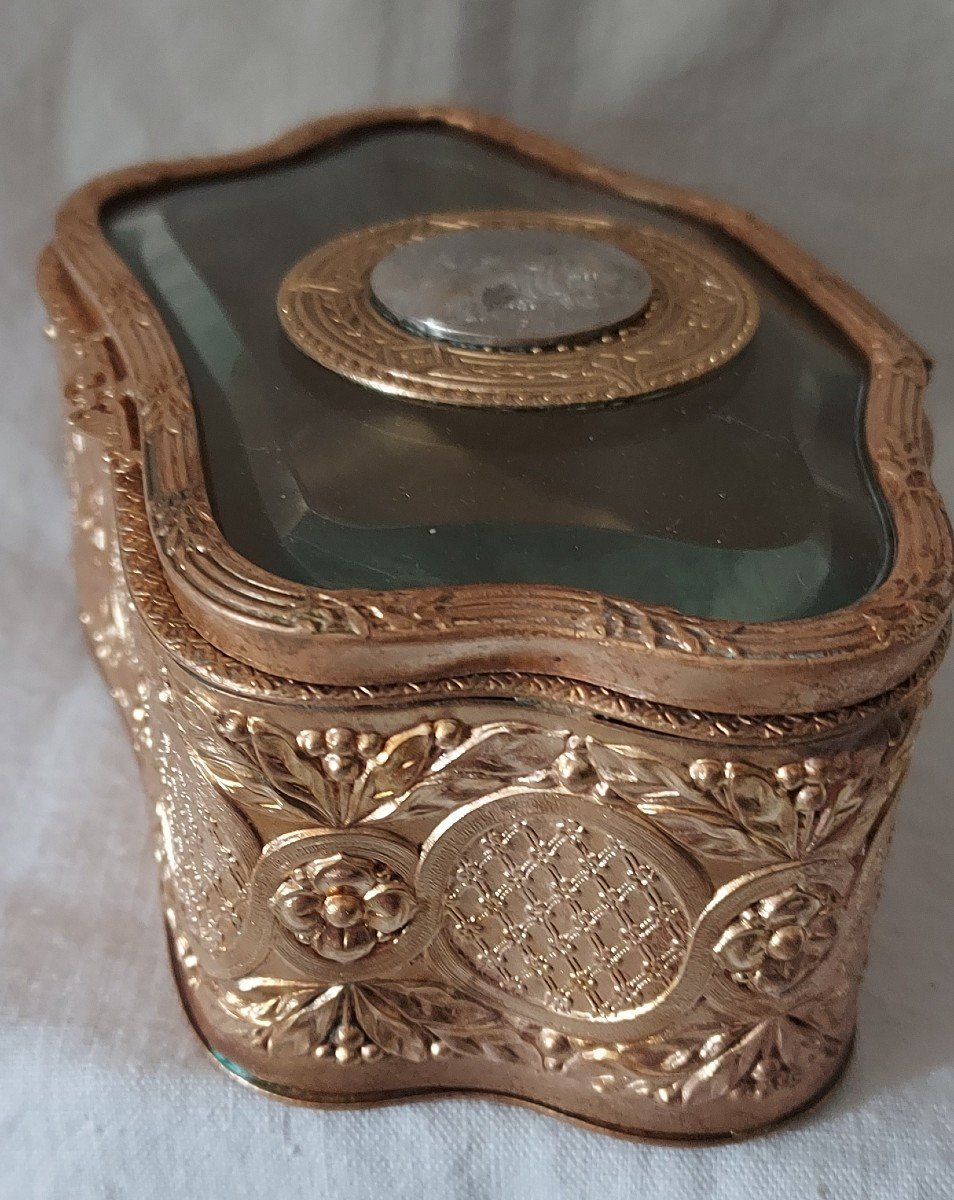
(125, 384)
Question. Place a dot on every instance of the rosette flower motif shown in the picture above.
(778, 941)
(343, 907)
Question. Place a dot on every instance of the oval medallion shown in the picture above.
(509, 288)
(391, 306)
(579, 916)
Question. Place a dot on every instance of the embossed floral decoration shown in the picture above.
(776, 943)
(344, 906)
(715, 1054)
(414, 1020)
(736, 809)
(338, 777)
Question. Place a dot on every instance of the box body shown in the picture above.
(513, 877)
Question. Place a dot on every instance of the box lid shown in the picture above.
(715, 494)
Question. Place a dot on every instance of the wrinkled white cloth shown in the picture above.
(832, 120)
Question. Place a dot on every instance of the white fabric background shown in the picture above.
(831, 118)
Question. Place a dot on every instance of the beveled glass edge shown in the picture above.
(125, 382)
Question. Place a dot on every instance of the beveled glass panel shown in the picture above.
(746, 495)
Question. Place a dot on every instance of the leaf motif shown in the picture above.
(509, 1047)
(623, 618)
(434, 1013)
(708, 831)
(389, 1031)
(284, 1017)
(393, 772)
(291, 773)
(636, 776)
(332, 614)
(762, 808)
(608, 1074)
(671, 632)
(504, 752)
(403, 1019)
(305, 1031)
(853, 833)
(223, 765)
(789, 1037)
(428, 798)
(730, 809)
(704, 1065)
(857, 806)
(227, 771)
(439, 1009)
(491, 758)
(738, 814)
(465, 1046)
(849, 799)
(727, 1070)
(834, 874)
(665, 1056)
(192, 713)
(819, 1018)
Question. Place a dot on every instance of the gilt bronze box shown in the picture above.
(521, 582)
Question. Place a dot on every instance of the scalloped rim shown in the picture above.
(119, 361)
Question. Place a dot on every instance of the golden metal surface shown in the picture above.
(370, 881)
(673, 927)
(124, 379)
(701, 313)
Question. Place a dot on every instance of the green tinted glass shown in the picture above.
(746, 496)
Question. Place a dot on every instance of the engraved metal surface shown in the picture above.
(622, 937)
(510, 288)
(786, 818)
(701, 312)
(760, 862)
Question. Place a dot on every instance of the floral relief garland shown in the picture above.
(716, 1054)
(344, 905)
(728, 809)
(362, 1022)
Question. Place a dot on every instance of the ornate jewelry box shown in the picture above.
(521, 582)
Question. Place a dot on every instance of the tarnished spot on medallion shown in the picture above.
(509, 288)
